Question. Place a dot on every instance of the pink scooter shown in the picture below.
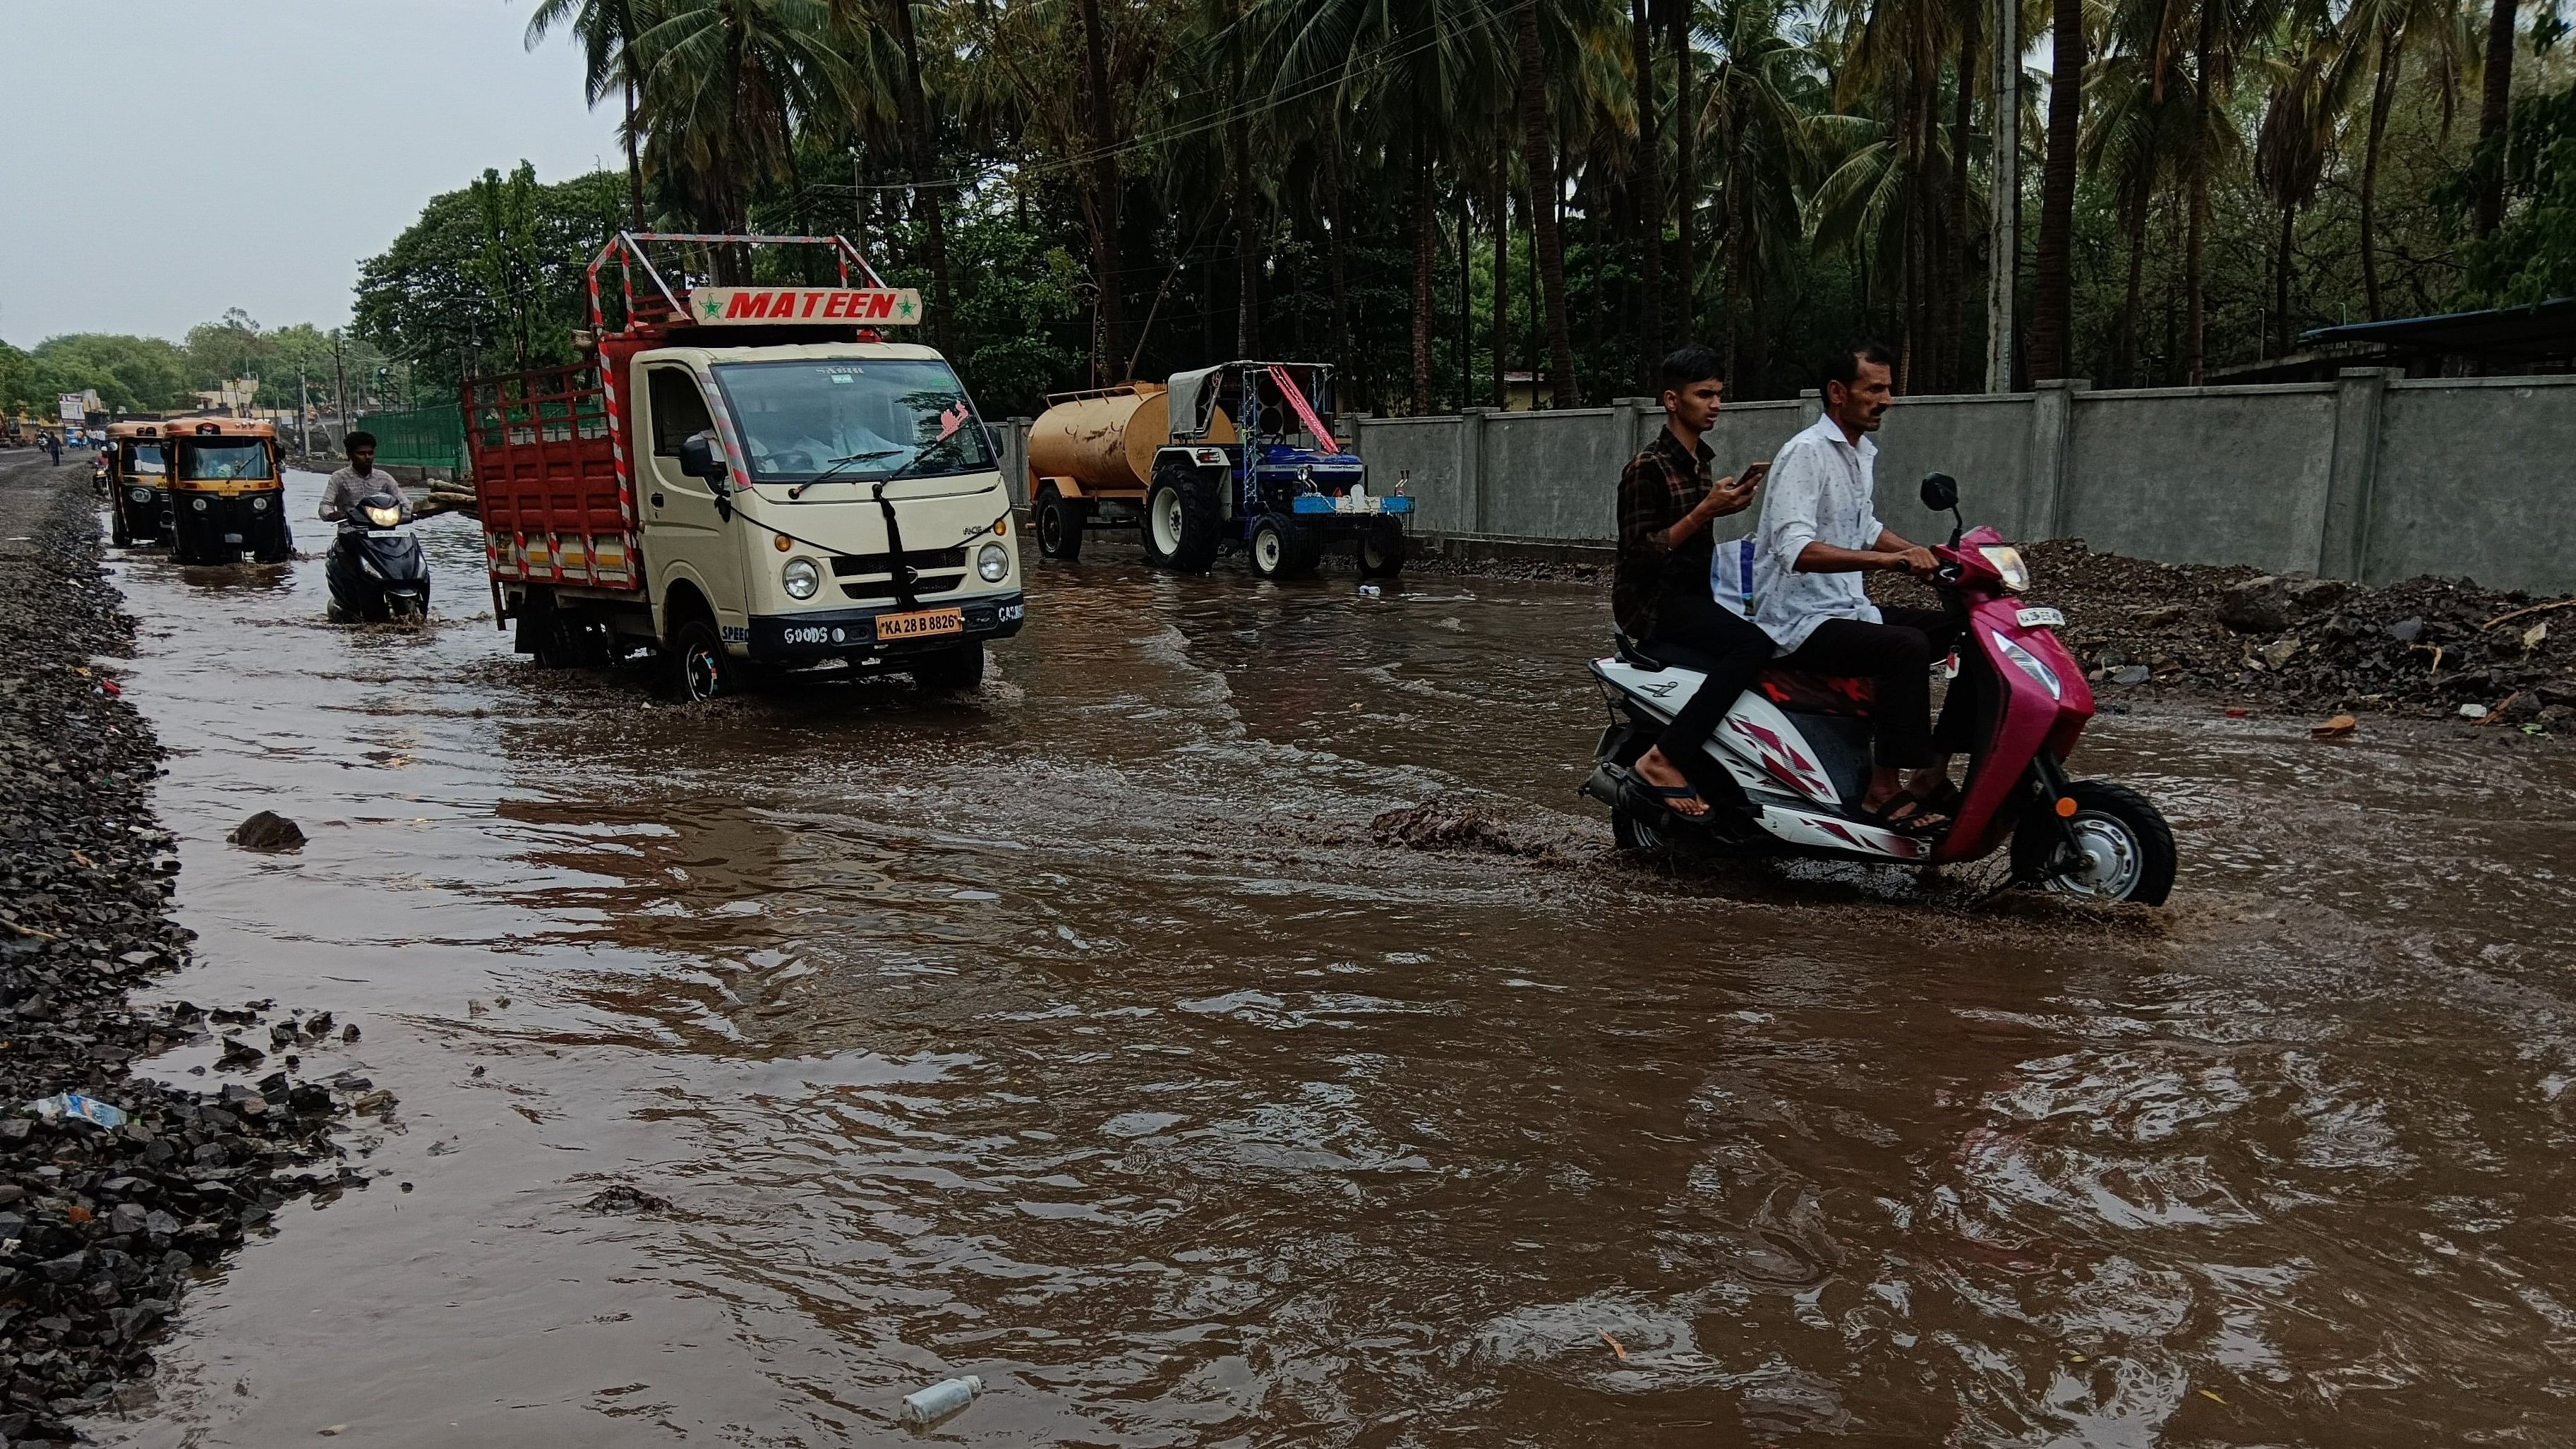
(1796, 750)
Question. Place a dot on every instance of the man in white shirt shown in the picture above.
(1819, 533)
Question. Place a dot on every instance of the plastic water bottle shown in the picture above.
(930, 1405)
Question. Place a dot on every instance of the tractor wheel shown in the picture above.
(1282, 548)
(1182, 519)
(1059, 521)
(1382, 549)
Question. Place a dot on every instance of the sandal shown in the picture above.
(1908, 815)
(1664, 795)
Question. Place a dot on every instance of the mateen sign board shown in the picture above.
(717, 306)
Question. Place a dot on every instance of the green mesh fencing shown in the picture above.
(420, 438)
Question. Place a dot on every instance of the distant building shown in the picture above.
(2502, 342)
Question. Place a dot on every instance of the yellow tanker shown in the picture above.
(1091, 456)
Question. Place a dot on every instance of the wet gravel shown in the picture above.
(103, 1229)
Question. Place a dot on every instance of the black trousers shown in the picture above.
(1703, 634)
(1896, 656)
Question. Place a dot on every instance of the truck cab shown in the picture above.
(760, 494)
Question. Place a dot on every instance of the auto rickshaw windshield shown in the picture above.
(222, 460)
(146, 460)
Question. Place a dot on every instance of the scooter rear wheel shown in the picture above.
(2123, 849)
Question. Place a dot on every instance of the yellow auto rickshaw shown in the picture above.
(227, 492)
(138, 484)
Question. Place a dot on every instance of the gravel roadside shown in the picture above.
(103, 1228)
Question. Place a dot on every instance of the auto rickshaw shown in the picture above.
(138, 484)
(227, 493)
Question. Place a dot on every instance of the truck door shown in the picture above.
(683, 532)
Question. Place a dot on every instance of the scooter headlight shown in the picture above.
(2007, 562)
(800, 578)
(384, 517)
(2028, 663)
(992, 563)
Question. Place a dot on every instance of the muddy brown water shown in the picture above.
(1077, 1035)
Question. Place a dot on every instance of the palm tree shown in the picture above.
(1755, 118)
(2495, 99)
(2138, 138)
(1649, 186)
(2052, 310)
(2376, 35)
(2289, 161)
(722, 86)
(606, 31)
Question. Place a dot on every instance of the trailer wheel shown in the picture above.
(1382, 549)
(1182, 520)
(953, 670)
(1060, 521)
(699, 668)
(1282, 548)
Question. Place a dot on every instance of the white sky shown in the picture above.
(249, 153)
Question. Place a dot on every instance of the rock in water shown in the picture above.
(268, 831)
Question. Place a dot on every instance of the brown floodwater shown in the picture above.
(1078, 1035)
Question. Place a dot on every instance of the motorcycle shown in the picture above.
(1793, 753)
(376, 569)
(98, 474)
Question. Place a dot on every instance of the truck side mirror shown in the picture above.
(698, 458)
(1940, 492)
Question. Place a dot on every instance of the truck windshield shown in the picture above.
(143, 460)
(907, 416)
(221, 461)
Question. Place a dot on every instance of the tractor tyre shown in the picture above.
(1283, 547)
(1183, 519)
(1382, 549)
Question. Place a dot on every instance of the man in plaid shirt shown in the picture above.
(1660, 592)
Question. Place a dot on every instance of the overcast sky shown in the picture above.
(172, 158)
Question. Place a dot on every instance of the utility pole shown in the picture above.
(304, 412)
(2003, 224)
(340, 384)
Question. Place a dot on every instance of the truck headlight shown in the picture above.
(993, 563)
(800, 578)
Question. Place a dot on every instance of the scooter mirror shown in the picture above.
(1940, 492)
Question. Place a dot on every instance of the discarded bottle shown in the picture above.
(928, 1406)
(73, 1104)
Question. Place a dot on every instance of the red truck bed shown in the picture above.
(548, 456)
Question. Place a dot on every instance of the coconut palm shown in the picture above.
(605, 30)
(2289, 160)
(1757, 116)
(722, 85)
(2376, 36)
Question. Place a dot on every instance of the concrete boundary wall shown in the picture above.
(2370, 477)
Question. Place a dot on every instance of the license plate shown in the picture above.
(2040, 619)
(926, 624)
(388, 533)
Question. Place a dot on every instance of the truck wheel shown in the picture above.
(700, 669)
(2123, 851)
(1181, 520)
(1382, 549)
(1060, 521)
(953, 670)
(1282, 548)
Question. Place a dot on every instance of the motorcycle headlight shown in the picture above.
(993, 563)
(800, 578)
(2007, 562)
(384, 517)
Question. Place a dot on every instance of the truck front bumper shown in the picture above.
(820, 634)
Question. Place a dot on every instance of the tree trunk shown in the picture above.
(2281, 278)
(1337, 263)
(2196, 227)
(1426, 225)
(1101, 202)
(634, 164)
(2133, 220)
(2383, 93)
(2003, 199)
(1954, 241)
(1499, 203)
(1686, 265)
(2053, 304)
(925, 197)
(1538, 154)
(2495, 103)
(1737, 262)
(1247, 257)
(1650, 191)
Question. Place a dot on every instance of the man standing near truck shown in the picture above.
(1660, 591)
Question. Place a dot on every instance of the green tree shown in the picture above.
(426, 298)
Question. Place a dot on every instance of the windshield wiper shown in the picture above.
(837, 465)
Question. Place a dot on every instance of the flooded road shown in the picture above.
(1077, 1035)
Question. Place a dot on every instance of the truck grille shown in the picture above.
(871, 575)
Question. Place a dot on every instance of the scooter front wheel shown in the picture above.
(2116, 847)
